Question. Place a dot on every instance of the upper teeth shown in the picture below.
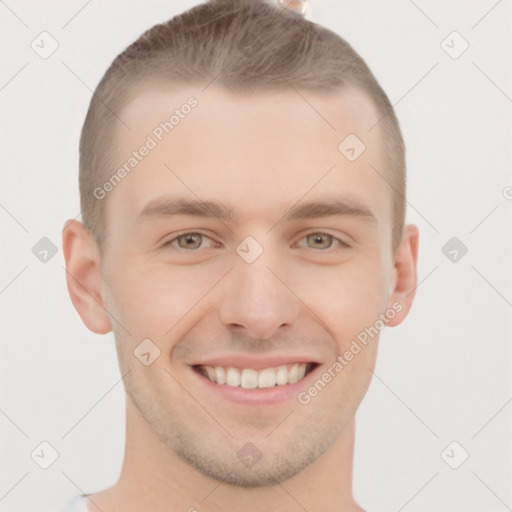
(249, 379)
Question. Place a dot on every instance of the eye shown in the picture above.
(194, 241)
(188, 241)
(323, 241)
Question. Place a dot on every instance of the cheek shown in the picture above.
(347, 298)
(152, 299)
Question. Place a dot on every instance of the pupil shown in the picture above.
(191, 240)
(318, 239)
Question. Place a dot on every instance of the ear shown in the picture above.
(83, 276)
(405, 278)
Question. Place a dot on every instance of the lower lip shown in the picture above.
(257, 396)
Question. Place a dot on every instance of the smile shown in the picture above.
(249, 378)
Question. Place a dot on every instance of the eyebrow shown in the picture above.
(166, 207)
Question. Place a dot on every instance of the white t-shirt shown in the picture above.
(77, 504)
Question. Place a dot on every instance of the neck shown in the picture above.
(154, 478)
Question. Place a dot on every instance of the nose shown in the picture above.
(255, 298)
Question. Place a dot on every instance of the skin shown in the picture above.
(259, 154)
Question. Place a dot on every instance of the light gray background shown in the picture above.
(442, 376)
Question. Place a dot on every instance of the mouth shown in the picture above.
(283, 375)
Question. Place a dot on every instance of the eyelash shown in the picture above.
(341, 243)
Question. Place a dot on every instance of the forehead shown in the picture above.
(250, 150)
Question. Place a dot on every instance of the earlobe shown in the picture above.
(406, 277)
(83, 276)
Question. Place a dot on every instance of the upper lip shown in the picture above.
(254, 362)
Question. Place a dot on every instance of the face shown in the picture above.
(246, 246)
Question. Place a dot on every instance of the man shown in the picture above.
(242, 180)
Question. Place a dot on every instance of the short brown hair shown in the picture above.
(244, 45)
